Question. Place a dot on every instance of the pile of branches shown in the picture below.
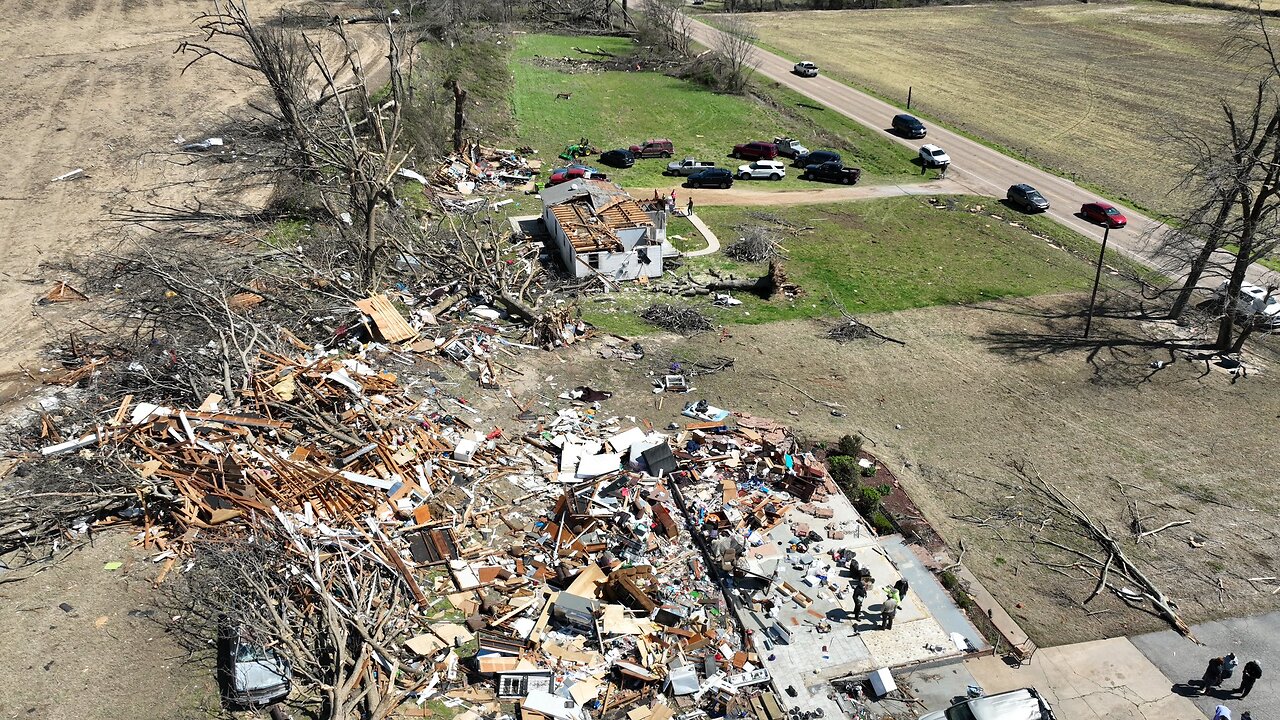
(676, 318)
(854, 329)
(755, 245)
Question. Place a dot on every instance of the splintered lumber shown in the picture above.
(390, 323)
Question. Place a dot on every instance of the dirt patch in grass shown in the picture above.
(1083, 89)
(1185, 444)
(106, 657)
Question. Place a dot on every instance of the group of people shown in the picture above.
(1221, 669)
(670, 202)
(894, 596)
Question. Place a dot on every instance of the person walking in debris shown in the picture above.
(901, 586)
(888, 609)
(1250, 675)
(1212, 675)
(859, 595)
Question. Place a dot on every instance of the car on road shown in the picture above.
(711, 177)
(657, 147)
(1024, 704)
(1027, 198)
(574, 172)
(620, 158)
(934, 156)
(755, 150)
(909, 126)
(1254, 303)
(249, 674)
(804, 68)
(832, 172)
(817, 157)
(790, 148)
(1103, 213)
(762, 170)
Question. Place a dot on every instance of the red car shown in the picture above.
(1103, 214)
(574, 172)
(755, 151)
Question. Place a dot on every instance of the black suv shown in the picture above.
(711, 177)
(832, 172)
(1027, 198)
(620, 158)
(817, 157)
(909, 126)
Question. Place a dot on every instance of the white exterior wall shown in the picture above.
(623, 265)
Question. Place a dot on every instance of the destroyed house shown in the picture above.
(598, 228)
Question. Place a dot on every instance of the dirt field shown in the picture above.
(1084, 89)
(1187, 446)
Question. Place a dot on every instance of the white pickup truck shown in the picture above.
(790, 148)
(805, 69)
(687, 167)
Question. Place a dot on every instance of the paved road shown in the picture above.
(1250, 638)
(985, 171)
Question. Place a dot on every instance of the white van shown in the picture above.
(1024, 704)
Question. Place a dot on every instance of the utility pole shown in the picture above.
(1097, 277)
(908, 97)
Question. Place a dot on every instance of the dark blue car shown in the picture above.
(711, 177)
(620, 158)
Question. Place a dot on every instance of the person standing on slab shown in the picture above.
(859, 595)
(1250, 675)
(888, 609)
(901, 586)
(1212, 675)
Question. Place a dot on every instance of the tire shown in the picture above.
(725, 185)
(735, 155)
(846, 180)
(744, 176)
(804, 176)
(775, 177)
(666, 154)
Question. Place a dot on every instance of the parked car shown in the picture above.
(832, 172)
(1256, 303)
(249, 675)
(1024, 704)
(909, 126)
(1027, 198)
(755, 150)
(817, 157)
(711, 177)
(934, 156)
(574, 172)
(657, 147)
(790, 148)
(762, 170)
(688, 166)
(1103, 213)
(805, 69)
(620, 158)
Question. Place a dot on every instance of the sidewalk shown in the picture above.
(1100, 679)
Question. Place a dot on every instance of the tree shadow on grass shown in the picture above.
(1122, 348)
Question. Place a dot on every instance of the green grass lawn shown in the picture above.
(615, 109)
(885, 255)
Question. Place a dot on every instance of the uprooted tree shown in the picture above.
(1234, 179)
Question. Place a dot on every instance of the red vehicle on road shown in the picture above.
(1103, 213)
(755, 151)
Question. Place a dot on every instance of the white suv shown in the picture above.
(934, 156)
(762, 170)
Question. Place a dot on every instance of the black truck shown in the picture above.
(832, 172)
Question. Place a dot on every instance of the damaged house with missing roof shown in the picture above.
(598, 228)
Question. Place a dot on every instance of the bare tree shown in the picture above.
(1234, 178)
(343, 138)
(735, 45)
(665, 23)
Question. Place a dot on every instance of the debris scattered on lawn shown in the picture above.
(755, 245)
(676, 318)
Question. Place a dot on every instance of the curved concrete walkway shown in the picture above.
(713, 242)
